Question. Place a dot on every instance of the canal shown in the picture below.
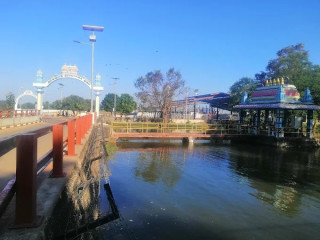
(168, 190)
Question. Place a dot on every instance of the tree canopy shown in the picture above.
(107, 103)
(28, 105)
(293, 62)
(10, 100)
(73, 103)
(244, 84)
(126, 104)
(156, 90)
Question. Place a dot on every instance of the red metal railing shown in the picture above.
(28, 166)
(18, 113)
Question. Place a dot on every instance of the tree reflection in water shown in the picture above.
(158, 165)
(286, 171)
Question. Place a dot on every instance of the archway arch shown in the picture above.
(71, 72)
(25, 93)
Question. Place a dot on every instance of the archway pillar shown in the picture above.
(39, 99)
(97, 104)
(97, 91)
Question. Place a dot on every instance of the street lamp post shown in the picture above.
(60, 88)
(92, 39)
(115, 96)
(195, 103)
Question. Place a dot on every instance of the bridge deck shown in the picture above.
(173, 136)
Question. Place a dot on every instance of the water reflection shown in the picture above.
(278, 175)
(157, 162)
(158, 165)
(171, 191)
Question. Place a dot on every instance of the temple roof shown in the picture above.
(288, 106)
(280, 95)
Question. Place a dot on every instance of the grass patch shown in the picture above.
(111, 148)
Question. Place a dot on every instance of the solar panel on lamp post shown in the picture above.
(92, 39)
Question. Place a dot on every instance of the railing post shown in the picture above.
(71, 135)
(26, 182)
(86, 124)
(78, 131)
(81, 127)
(89, 121)
(57, 132)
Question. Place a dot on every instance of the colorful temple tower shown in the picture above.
(271, 110)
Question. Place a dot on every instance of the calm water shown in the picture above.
(201, 191)
(171, 191)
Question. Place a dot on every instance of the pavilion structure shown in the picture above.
(273, 111)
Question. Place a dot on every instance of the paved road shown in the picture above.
(8, 160)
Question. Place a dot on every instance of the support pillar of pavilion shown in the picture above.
(309, 124)
(256, 129)
(279, 114)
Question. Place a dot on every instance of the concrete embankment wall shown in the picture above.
(18, 121)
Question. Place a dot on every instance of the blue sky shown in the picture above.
(212, 43)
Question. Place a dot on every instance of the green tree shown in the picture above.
(107, 103)
(126, 104)
(156, 91)
(73, 103)
(3, 104)
(56, 105)
(293, 62)
(244, 84)
(46, 105)
(10, 100)
(28, 105)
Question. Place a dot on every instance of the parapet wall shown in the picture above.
(18, 121)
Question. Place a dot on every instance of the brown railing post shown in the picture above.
(71, 135)
(57, 132)
(26, 181)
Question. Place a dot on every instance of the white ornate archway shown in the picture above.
(25, 93)
(67, 71)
